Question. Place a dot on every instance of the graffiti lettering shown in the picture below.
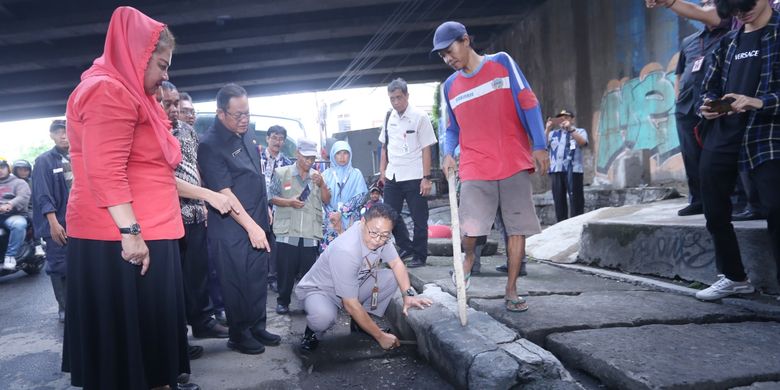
(638, 114)
(685, 251)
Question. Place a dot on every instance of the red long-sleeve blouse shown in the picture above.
(117, 159)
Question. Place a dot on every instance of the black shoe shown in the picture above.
(246, 344)
(187, 386)
(220, 317)
(747, 215)
(273, 286)
(309, 342)
(505, 269)
(416, 263)
(404, 254)
(212, 331)
(282, 309)
(194, 351)
(691, 209)
(266, 337)
(523, 272)
(183, 378)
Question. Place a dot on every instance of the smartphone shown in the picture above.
(304, 194)
(720, 105)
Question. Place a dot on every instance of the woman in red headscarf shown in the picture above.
(125, 324)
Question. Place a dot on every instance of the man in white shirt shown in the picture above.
(405, 169)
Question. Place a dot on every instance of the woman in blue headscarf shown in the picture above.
(348, 192)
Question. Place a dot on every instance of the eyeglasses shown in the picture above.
(309, 158)
(276, 138)
(238, 115)
(187, 111)
(377, 235)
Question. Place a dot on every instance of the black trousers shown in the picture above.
(243, 273)
(765, 177)
(292, 260)
(195, 273)
(395, 194)
(561, 188)
(691, 154)
(719, 173)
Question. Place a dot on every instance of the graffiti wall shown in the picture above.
(638, 114)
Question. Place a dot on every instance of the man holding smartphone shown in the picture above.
(298, 192)
(565, 143)
(742, 68)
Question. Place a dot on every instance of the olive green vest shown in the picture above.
(305, 222)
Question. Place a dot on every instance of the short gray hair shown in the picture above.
(398, 84)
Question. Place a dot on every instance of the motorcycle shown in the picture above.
(26, 260)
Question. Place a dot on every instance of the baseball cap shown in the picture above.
(307, 148)
(565, 112)
(447, 33)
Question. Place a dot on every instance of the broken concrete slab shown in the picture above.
(604, 309)
(443, 247)
(542, 279)
(692, 356)
(655, 241)
(760, 386)
(460, 353)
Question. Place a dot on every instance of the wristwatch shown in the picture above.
(410, 292)
(427, 177)
(134, 229)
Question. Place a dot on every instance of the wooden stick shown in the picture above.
(457, 260)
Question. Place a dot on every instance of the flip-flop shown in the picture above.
(516, 305)
(466, 279)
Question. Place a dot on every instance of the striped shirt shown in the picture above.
(491, 113)
(761, 141)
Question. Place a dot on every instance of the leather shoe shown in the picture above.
(503, 268)
(246, 344)
(187, 386)
(212, 331)
(194, 351)
(404, 254)
(309, 342)
(265, 337)
(691, 209)
(282, 309)
(416, 263)
(221, 317)
(747, 215)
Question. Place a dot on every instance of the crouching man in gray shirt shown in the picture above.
(350, 275)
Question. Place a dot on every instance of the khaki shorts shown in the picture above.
(479, 200)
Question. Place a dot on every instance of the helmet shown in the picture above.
(22, 164)
(3, 161)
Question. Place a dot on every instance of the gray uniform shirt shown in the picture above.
(344, 266)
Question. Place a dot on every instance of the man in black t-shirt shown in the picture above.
(747, 136)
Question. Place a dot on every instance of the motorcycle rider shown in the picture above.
(15, 194)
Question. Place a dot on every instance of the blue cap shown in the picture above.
(447, 33)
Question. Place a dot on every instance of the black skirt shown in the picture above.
(124, 330)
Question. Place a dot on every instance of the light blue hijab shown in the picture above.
(344, 181)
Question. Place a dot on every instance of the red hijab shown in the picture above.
(130, 42)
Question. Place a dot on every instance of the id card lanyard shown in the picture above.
(375, 289)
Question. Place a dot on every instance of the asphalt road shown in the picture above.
(31, 345)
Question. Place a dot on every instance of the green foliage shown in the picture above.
(436, 114)
(32, 152)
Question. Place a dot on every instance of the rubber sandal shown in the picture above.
(516, 305)
(466, 278)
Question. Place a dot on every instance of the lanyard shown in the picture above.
(373, 274)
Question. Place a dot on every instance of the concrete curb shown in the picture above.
(483, 355)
